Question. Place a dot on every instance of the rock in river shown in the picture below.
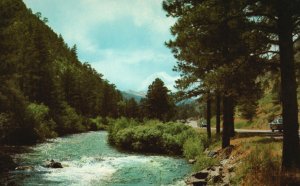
(26, 167)
(54, 164)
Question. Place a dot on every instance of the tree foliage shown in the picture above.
(225, 45)
(44, 89)
(159, 103)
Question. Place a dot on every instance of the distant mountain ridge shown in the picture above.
(137, 96)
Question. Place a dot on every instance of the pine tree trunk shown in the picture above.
(208, 116)
(218, 114)
(232, 133)
(291, 148)
(227, 107)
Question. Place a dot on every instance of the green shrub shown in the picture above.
(192, 148)
(39, 122)
(97, 123)
(203, 161)
(152, 136)
(70, 121)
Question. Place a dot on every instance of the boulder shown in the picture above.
(192, 161)
(212, 154)
(216, 177)
(201, 175)
(198, 179)
(197, 182)
(54, 164)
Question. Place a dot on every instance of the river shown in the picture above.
(89, 160)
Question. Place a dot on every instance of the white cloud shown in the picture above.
(143, 12)
(129, 68)
(166, 78)
(124, 57)
(79, 20)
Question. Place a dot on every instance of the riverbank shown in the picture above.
(248, 161)
(6, 160)
(7, 151)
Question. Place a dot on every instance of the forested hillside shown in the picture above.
(45, 90)
(268, 106)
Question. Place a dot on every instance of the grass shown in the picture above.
(260, 160)
(202, 160)
(239, 123)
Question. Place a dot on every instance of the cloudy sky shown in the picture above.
(122, 39)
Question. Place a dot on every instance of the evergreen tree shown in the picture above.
(213, 51)
(131, 108)
(44, 88)
(279, 20)
(158, 101)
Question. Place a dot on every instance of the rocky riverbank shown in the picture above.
(6, 161)
(249, 161)
(219, 174)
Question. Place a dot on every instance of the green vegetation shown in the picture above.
(41, 124)
(186, 110)
(223, 51)
(153, 137)
(45, 91)
(158, 103)
(98, 123)
(228, 48)
(261, 163)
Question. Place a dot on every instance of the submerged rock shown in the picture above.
(26, 167)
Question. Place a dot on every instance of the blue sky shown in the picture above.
(122, 39)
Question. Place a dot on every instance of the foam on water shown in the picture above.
(88, 160)
(76, 173)
(88, 170)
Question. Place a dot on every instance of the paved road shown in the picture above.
(258, 132)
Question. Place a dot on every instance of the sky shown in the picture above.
(121, 39)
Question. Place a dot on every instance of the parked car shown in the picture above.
(276, 124)
(202, 123)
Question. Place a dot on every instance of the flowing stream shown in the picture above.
(89, 160)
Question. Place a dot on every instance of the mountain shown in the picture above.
(187, 101)
(137, 96)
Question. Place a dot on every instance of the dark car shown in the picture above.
(276, 124)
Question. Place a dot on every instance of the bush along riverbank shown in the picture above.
(154, 136)
(169, 138)
(246, 161)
